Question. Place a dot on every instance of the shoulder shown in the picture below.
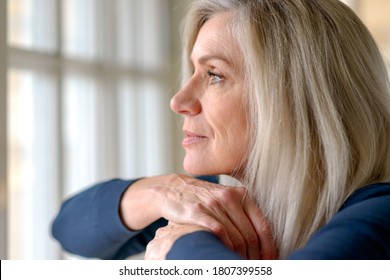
(368, 208)
(367, 194)
(367, 211)
(360, 230)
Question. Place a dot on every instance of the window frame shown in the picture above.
(3, 130)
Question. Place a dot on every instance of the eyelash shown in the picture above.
(213, 77)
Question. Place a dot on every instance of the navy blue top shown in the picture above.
(89, 225)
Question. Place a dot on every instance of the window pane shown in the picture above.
(126, 28)
(79, 28)
(32, 24)
(128, 125)
(79, 132)
(89, 133)
(153, 36)
(144, 128)
(142, 39)
(33, 177)
(155, 113)
(154, 119)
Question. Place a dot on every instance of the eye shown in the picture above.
(214, 78)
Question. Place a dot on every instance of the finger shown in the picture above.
(269, 248)
(158, 248)
(151, 252)
(246, 239)
(242, 222)
(250, 237)
(264, 231)
(228, 227)
(220, 229)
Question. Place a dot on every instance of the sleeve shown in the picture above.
(361, 231)
(200, 245)
(88, 224)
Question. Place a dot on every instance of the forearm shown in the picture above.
(88, 224)
(105, 220)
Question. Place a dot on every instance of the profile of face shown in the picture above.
(215, 127)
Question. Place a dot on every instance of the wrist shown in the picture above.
(140, 204)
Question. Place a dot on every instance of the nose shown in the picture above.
(186, 101)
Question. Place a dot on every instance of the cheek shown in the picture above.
(230, 131)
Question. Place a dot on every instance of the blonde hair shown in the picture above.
(318, 105)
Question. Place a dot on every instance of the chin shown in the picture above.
(198, 169)
(203, 170)
(204, 166)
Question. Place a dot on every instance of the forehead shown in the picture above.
(215, 40)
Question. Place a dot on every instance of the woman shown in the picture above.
(292, 99)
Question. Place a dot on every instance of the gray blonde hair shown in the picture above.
(318, 105)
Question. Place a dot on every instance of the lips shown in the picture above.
(191, 138)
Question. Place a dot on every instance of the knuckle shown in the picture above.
(241, 190)
(226, 196)
(160, 231)
(229, 194)
(238, 241)
(197, 207)
(252, 240)
(150, 246)
(266, 228)
(213, 204)
(233, 194)
(218, 229)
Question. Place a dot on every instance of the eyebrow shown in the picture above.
(203, 59)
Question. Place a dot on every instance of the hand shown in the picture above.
(159, 247)
(228, 212)
(165, 237)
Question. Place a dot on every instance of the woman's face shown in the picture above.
(215, 128)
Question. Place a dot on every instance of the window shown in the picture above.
(85, 97)
(89, 84)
